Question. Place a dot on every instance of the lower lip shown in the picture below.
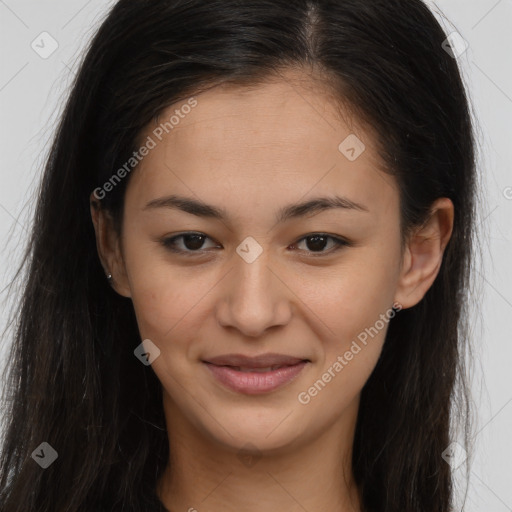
(254, 383)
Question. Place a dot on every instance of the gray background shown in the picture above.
(32, 90)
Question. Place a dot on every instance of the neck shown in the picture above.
(204, 475)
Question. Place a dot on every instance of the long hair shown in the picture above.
(73, 380)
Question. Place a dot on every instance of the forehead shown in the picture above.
(282, 138)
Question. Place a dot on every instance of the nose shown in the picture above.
(254, 297)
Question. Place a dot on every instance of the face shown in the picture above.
(252, 281)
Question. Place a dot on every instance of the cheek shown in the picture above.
(167, 305)
(164, 296)
(355, 304)
(357, 312)
(354, 295)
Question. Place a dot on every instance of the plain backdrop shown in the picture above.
(32, 93)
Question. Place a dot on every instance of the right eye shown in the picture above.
(191, 243)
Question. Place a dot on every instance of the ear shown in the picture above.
(424, 254)
(109, 247)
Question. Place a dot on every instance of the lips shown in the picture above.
(257, 362)
(257, 370)
(255, 375)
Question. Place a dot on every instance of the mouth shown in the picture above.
(256, 370)
(255, 375)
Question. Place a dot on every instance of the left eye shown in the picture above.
(193, 243)
(318, 242)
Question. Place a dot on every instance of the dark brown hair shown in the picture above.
(73, 380)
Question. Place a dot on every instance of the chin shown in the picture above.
(254, 431)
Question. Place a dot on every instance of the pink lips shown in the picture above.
(255, 375)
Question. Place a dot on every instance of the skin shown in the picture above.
(252, 152)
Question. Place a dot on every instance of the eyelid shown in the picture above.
(168, 241)
(339, 241)
(339, 244)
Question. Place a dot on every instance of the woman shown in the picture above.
(249, 266)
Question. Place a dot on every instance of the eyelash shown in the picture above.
(168, 243)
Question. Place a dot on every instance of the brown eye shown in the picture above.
(191, 243)
(316, 243)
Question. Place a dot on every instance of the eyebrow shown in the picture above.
(201, 209)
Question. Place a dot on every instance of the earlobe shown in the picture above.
(108, 247)
(424, 254)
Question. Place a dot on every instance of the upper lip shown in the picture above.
(261, 361)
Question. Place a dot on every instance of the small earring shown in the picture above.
(109, 277)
